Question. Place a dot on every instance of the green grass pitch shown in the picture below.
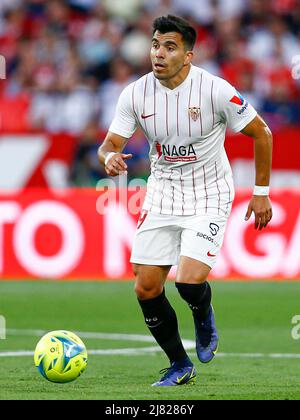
(258, 359)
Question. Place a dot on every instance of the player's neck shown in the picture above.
(178, 79)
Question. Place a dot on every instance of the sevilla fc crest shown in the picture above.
(194, 112)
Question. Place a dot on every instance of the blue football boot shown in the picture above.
(177, 374)
(206, 337)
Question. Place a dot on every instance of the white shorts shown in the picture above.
(162, 239)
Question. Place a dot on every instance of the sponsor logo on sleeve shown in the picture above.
(240, 101)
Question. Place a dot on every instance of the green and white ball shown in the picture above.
(60, 356)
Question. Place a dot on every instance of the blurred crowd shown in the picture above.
(73, 58)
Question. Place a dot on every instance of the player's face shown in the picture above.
(168, 55)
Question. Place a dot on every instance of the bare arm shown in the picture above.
(116, 164)
(260, 205)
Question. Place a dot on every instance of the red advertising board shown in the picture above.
(61, 235)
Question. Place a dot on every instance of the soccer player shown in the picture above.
(184, 111)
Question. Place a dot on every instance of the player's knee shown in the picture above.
(194, 277)
(147, 290)
(149, 282)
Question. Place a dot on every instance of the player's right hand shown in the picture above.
(116, 164)
(262, 208)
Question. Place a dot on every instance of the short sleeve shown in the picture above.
(233, 108)
(124, 123)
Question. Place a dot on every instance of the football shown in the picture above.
(60, 356)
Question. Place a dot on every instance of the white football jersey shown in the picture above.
(185, 128)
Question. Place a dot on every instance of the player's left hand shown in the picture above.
(262, 208)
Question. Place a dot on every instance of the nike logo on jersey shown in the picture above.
(147, 116)
(210, 255)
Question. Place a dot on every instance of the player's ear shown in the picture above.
(189, 57)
